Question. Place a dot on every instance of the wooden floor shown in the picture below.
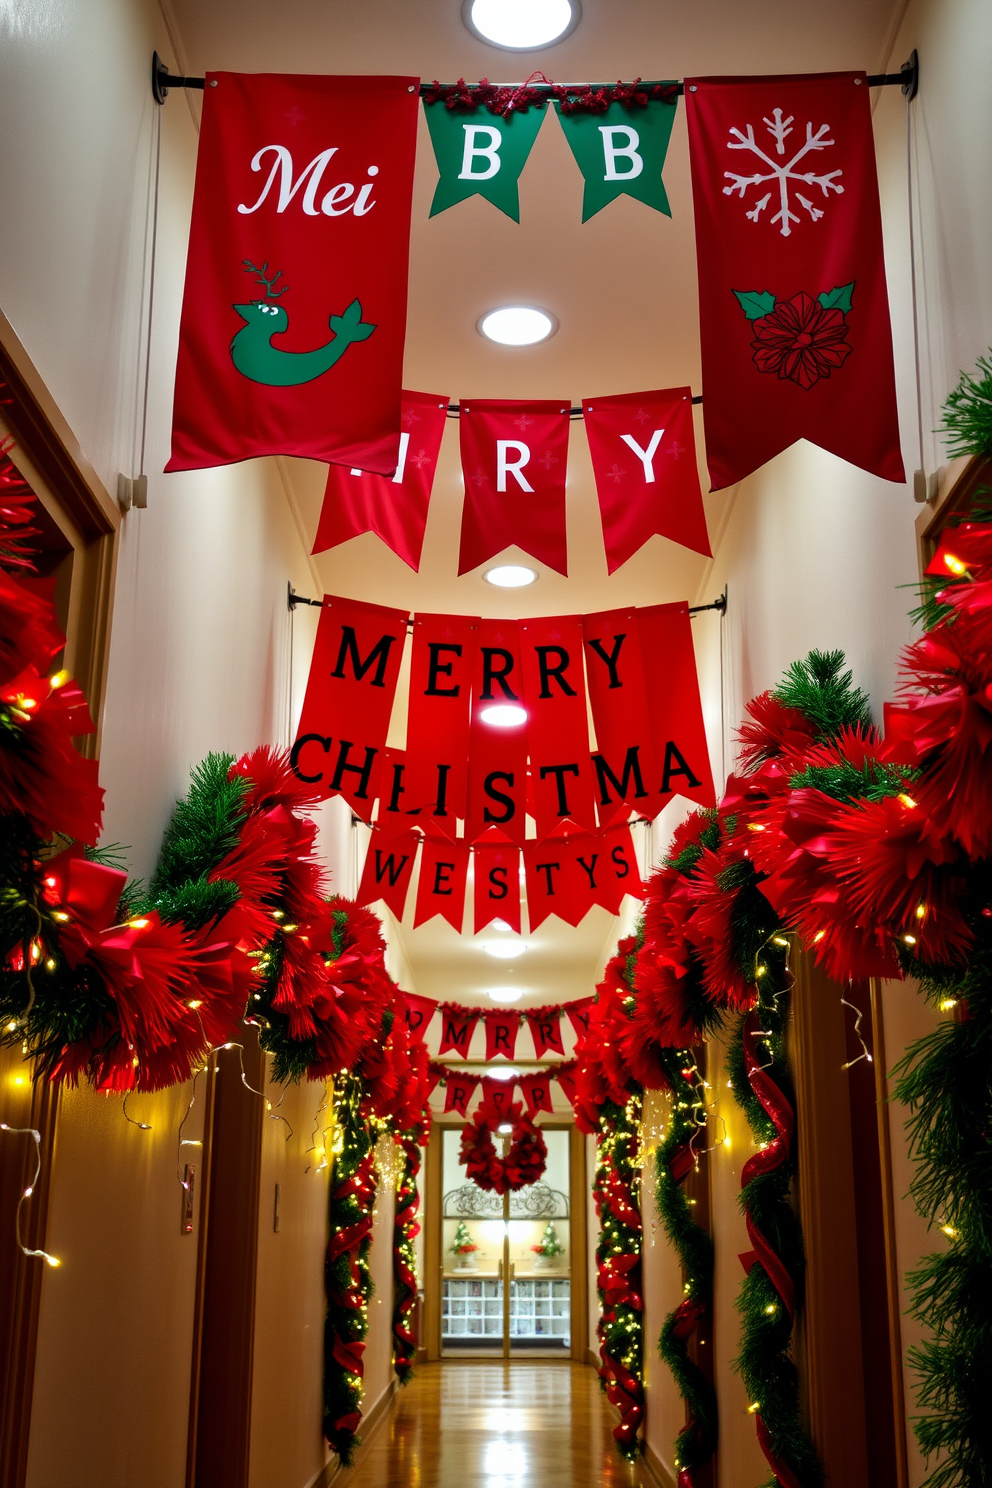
(495, 1425)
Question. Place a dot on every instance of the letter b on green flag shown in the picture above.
(621, 152)
(480, 154)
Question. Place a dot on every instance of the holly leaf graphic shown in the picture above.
(838, 299)
(756, 302)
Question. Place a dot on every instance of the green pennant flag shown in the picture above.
(480, 154)
(621, 152)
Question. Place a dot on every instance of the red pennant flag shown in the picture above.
(435, 1074)
(794, 311)
(557, 728)
(643, 450)
(545, 1028)
(457, 1027)
(394, 507)
(562, 877)
(513, 462)
(394, 811)
(349, 697)
(624, 762)
(294, 311)
(441, 668)
(497, 768)
(441, 886)
(536, 1091)
(501, 1032)
(618, 870)
(458, 1092)
(566, 1080)
(388, 869)
(578, 1015)
(673, 701)
(418, 1013)
(497, 1097)
(496, 864)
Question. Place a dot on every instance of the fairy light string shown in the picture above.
(28, 1192)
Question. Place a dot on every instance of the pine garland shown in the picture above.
(968, 413)
(618, 1255)
(406, 1227)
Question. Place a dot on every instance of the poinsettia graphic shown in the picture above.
(800, 339)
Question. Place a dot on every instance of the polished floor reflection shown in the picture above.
(506, 1425)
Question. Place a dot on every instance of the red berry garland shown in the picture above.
(524, 1163)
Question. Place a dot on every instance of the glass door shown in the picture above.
(539, 1259)
(473, 1244)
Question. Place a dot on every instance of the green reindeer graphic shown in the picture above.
(256, 358)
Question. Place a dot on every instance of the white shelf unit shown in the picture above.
(540, 1309)
(472, 1308)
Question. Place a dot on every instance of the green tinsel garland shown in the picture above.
(968, 413)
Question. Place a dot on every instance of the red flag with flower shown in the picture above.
(794, 312)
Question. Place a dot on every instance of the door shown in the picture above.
(539, 1259)
(473, 1243)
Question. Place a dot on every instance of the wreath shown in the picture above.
(524, 1163)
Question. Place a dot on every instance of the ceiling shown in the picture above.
(622, 286)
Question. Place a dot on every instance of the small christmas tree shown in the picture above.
(463, 1244)
(550, 1244)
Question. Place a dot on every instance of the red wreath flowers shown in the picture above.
(524, 1163)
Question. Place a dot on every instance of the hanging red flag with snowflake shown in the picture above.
(294, 311)
(794, 311)
(513, 464)
(643, 452)
(394, 507)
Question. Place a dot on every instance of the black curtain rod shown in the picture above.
(907, 78)
(293, 599)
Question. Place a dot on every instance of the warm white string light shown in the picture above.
(865, 1054)
(29, 1131)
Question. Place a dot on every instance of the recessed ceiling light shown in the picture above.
(503, 715)
(510, 576)
(505, 1128)
(504, 950)
(505, 994)
(518, 325)
(501, 925)
(500, 1072)
(521, 25)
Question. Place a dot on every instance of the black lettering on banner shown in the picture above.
(441, 804)
(547, 1032)
(389, 868)
(631, 767)
(296, 751)
(460, 1039)
(501, 1038)
(547, 671)
(590, 868)
(547, 869)
(443, 885)
(414, 1018)
(611, 659)
(498, 886)
(559, 772)
(345, 746)
(399, 789)
(459, 1098)
(378, 656)
(673, 753)
(540, 1098)
(492, 673)
(620, 858)
(436, 666)
(501, 796)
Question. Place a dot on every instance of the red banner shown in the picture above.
(568, 872)
(418, 1013)
(458, 1092)
(497, 1096)
(513, 462)
(566, 1081)
(578, 1015)
(557, 728)
(441, 886)
(536, 1090)
(643, 450)
(456, 1030)
(394, 812)
(294, 311)
(545, 1028)
(496, 865)
(617, 870)
(388, 869)
(624, 762)
(497, 769)
(441, 668)
(673, 702)
(794, 310)
(394, 507)
(501, 1032)
(345, 719)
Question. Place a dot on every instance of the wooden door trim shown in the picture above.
(433, 1242)
(578, 1243)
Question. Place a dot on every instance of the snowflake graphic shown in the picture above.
(523, 423)
(410, 418)
(617, 473)
(420, 459)
(642, 416)
(782, 172)
(548, 460)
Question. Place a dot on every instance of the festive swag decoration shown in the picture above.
(460, 1087)
(394, 507)
(525, 1160)
(274, 206)
(794, 317)
(479, 158)
(406, 1228)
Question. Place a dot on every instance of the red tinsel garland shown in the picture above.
(406, 1227)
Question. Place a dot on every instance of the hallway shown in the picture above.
(513, 1425)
